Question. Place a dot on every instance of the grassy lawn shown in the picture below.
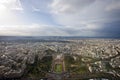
(58, 68)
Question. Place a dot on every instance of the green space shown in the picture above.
(58, 68)
(75, 65)
(39, 68)
(79, 70)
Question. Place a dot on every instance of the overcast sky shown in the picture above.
(91, 18)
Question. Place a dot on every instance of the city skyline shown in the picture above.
(89, 18)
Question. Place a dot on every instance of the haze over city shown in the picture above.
(91, 18)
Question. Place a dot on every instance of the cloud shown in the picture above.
(71, 6)
(62, 17)
(10, 5)
(110, 29)
(7, 11)
(75, 12)
(34, 30)
(86, 17)
(115, 5)
(36, 5)
(40, 30)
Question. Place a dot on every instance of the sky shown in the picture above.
(89, 18)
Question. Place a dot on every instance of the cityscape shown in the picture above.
(62, 59)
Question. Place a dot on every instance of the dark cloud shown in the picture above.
(110, 29)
